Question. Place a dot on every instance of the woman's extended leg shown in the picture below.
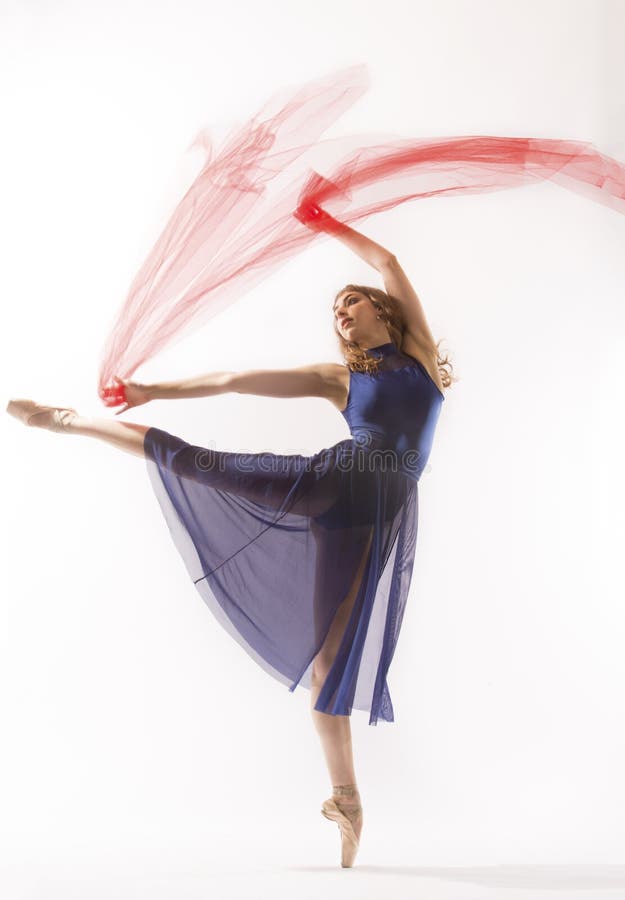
(280, 487)
(125, 435)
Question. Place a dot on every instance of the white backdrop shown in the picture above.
(143, 752)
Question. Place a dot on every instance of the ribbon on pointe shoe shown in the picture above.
(60, 421)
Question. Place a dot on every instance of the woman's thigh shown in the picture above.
(332, 641)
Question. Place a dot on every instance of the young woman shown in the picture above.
(306, 560)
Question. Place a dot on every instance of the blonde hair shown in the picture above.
(389, 308)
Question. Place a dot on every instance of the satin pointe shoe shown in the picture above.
(52, 418)
(344, 818)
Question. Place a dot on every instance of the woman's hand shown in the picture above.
(136, 394)
(316, 218)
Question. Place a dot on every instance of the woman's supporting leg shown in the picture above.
(335, 730)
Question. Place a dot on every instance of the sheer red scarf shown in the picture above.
(247, 210)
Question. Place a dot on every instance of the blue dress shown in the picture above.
(275, 542)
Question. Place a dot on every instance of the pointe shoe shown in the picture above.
(349, 842)
(58, 417)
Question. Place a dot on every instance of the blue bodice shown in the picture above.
(396, 408)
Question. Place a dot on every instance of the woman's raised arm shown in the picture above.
(317, 219)
(395, 279)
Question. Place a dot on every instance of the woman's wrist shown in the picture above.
(164, 390)
(151, 391)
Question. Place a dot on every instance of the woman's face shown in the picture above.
(355, 316)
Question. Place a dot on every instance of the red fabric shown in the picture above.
(260, 201)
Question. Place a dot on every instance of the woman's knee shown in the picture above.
(320, 669)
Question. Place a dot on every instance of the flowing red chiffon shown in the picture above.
(250, 207)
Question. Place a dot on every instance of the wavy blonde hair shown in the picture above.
(390, 311)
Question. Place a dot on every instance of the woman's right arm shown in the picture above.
(200, 386)
(320, 380)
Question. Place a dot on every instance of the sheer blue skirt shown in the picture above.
(273, 543)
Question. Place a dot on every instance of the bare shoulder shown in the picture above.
(425, 356)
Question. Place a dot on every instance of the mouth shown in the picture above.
(346, 323)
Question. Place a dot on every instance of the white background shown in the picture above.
(143, 753)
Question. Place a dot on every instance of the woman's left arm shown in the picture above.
(396, 283)
(395, 279)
